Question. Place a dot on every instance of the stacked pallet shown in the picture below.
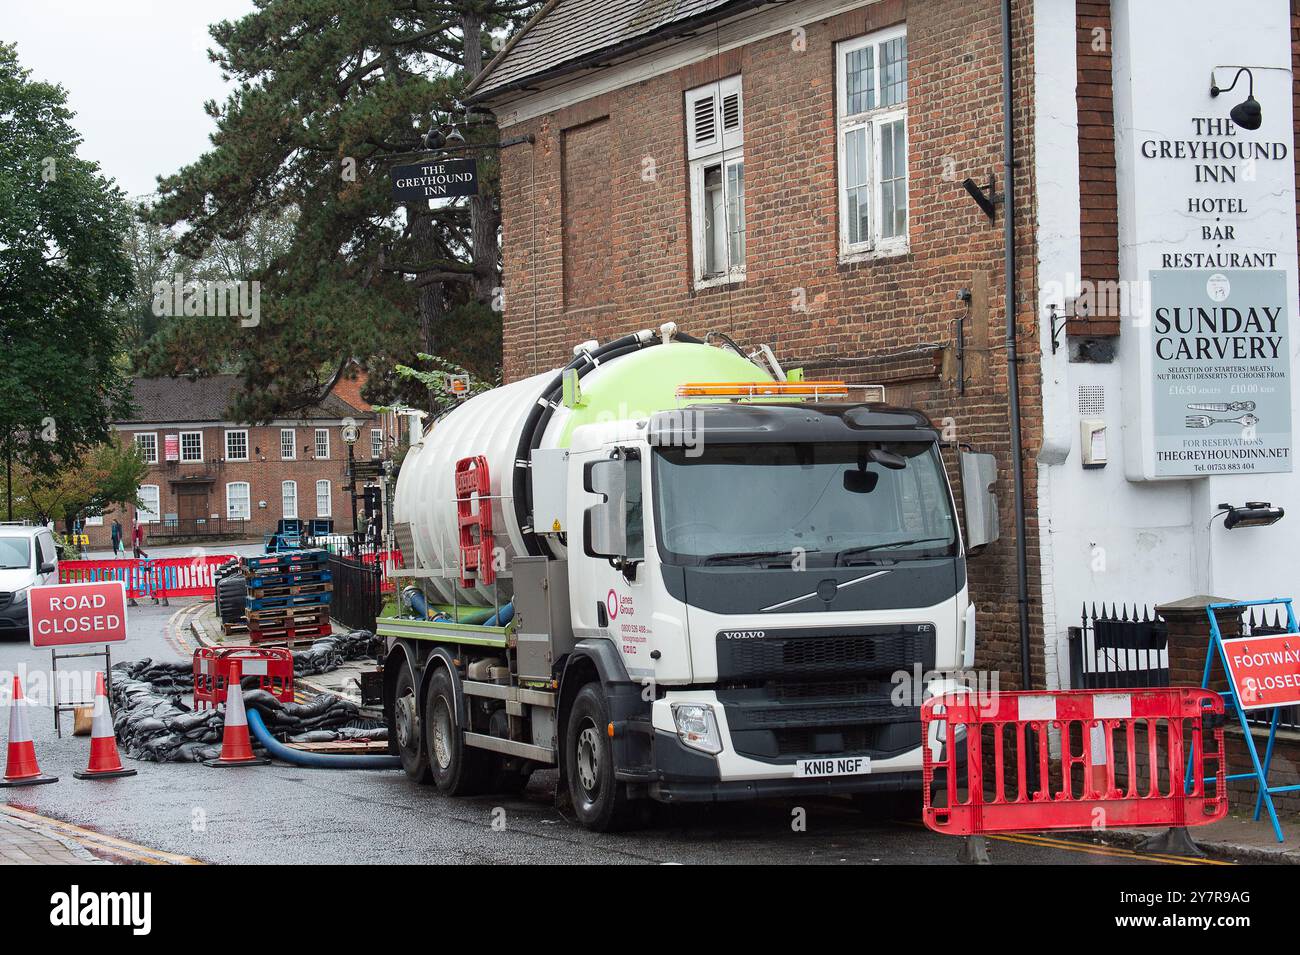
(288, 597)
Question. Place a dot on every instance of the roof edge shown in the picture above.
(474, 95)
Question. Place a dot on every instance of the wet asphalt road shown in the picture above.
(288, 815)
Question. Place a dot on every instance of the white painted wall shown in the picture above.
(1106, 538)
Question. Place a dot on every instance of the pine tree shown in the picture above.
(328, 98)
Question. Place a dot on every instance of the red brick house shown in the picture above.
(805, 174)
(212, 476)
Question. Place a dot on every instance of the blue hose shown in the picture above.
(506, 614)
(315, 760)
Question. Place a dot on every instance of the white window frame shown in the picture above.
(293, 444)
(149, 515)
(234, 457)
(875, 245)
(286, 498)
(322, 433)
(725, 148)
(181, 446)
(328, 509)
(148, 458)
(248, 501)
(376, 443)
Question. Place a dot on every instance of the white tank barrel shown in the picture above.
(632, 385)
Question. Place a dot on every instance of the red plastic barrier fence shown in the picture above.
(474, 514)
(273, 667)
(132, 573)
(1121, 760)
(152, 577)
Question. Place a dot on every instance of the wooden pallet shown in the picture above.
(274, 601)
(289, 634)
(362, 747)
(289, 590)
(288, 580)
(286, 563)
(286, 616)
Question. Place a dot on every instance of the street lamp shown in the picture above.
(350, 435)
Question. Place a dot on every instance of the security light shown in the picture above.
(1250, 514)
(1246, 114)
(455, 137)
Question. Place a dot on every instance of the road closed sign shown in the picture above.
(1265, 670)
(63, 615)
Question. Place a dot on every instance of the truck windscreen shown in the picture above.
(834, 503)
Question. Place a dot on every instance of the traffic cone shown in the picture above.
(236, 746)
(104, 761)
(21, 768)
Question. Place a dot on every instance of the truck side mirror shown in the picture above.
(978, 474)
(604, 533)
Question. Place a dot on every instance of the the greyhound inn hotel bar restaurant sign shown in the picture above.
(1208, 245)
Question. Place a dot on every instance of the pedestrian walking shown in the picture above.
(116, 538)
(137, 542)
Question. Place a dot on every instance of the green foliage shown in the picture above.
(63, 278)
(329, 97)
(106, 475)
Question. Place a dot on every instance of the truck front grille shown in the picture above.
(794, 694)
(798, 655)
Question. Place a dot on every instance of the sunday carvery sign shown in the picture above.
(1265, 670)
(63, 615)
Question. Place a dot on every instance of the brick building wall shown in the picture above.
(890, 320)
(1098, 201)
(265, 472)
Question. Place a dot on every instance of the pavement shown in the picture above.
(25, 842)
(178, 813)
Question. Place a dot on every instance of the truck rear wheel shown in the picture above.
(599, 800)
(406, 727)
(458, 770)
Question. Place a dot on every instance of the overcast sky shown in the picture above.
(136, 72)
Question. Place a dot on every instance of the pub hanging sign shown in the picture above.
(435, 179)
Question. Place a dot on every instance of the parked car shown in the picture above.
(27, 558)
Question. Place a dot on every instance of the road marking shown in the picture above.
(1034, 839)
(98, 840)
(1051, 842)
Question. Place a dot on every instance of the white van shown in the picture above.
(27, 557)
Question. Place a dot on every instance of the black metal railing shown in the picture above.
(358, 591)
(1118, 648)
(177, 527)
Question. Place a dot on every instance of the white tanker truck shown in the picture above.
(677, 575)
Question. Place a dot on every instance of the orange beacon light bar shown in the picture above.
(816, 390)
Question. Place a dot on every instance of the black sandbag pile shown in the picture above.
(153, 723)
(151, 720)
(323, 718)
(329, 653)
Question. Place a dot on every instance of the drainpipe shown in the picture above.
(1013, 361)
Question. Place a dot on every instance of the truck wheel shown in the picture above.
(599, 800)
(458, 770)
(406, 727)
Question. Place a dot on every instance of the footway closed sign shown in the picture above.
(1265, 670)
(63, 615)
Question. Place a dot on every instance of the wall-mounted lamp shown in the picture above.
(1247, 113)
(1250, 514)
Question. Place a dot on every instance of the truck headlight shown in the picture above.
(20, 597)
(696, 726)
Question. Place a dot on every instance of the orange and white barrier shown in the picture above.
(105, 763)
(236, 745)
(21, 768)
